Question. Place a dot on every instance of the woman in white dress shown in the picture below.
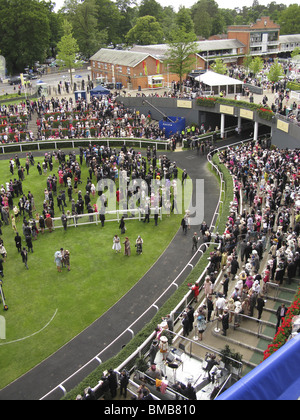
(116, 244)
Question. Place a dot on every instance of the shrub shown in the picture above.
(206, 101)
(265, 113)
(284, 331)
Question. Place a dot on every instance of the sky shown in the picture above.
(224, 4)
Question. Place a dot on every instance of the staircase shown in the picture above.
(32, 126)
(252, 338)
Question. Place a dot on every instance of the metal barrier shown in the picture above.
(23, 146)
(275, 286)
(192, 343)
(95, 218)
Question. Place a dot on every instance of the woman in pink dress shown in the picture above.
(60, 176)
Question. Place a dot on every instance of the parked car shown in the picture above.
(30, 76)
(15, 80)
(54, 64)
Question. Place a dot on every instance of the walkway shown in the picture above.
(74, 355)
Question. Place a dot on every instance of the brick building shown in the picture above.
(260, 38)
(144, 66)
(131, 69)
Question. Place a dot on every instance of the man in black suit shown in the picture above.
(280, 313)
(225, 322)
(18, 241)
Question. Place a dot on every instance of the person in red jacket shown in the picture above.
(195, 289)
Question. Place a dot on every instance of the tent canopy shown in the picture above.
(218, 82)
(99, 90)
(211, 78)
(277, 378)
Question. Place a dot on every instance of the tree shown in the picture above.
(150, 8)
(256, 65)
(219, 67)
(84, 23)
(67, 49)
(168, 21)
(275, 72)
(202, 23)
(180, 53)
(146, 31)
(247, 61)
(109, 19)
(25, 32)
(296, 51)
(128, 12)
(289, 20)
(208, 19)
(184, 20)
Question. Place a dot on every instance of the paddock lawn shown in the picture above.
(46, 308)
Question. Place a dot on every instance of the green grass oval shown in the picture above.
(98, 278)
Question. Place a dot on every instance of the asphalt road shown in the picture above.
(51, 79)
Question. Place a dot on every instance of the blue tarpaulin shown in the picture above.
(172, 125)
(80, 94)
(99, 90)
(276, 378)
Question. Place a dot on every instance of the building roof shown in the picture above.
(286, 39)
(264, 23)
(159, 50)
(219, 44)
(212, 78)
(119, 57)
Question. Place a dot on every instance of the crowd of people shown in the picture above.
(66, 195)
(14, 121)
(261, 242)
(64, 118)
(100, 117)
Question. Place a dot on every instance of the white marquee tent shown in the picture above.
(216, 83)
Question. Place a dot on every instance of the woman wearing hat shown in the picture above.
(237, 313)
(163, 346)
(127, 250)
(201, 324)
(116, 244)
(66, 259)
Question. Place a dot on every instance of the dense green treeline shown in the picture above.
(31, 29)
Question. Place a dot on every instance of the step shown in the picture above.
(254, 333)
(239, 343)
